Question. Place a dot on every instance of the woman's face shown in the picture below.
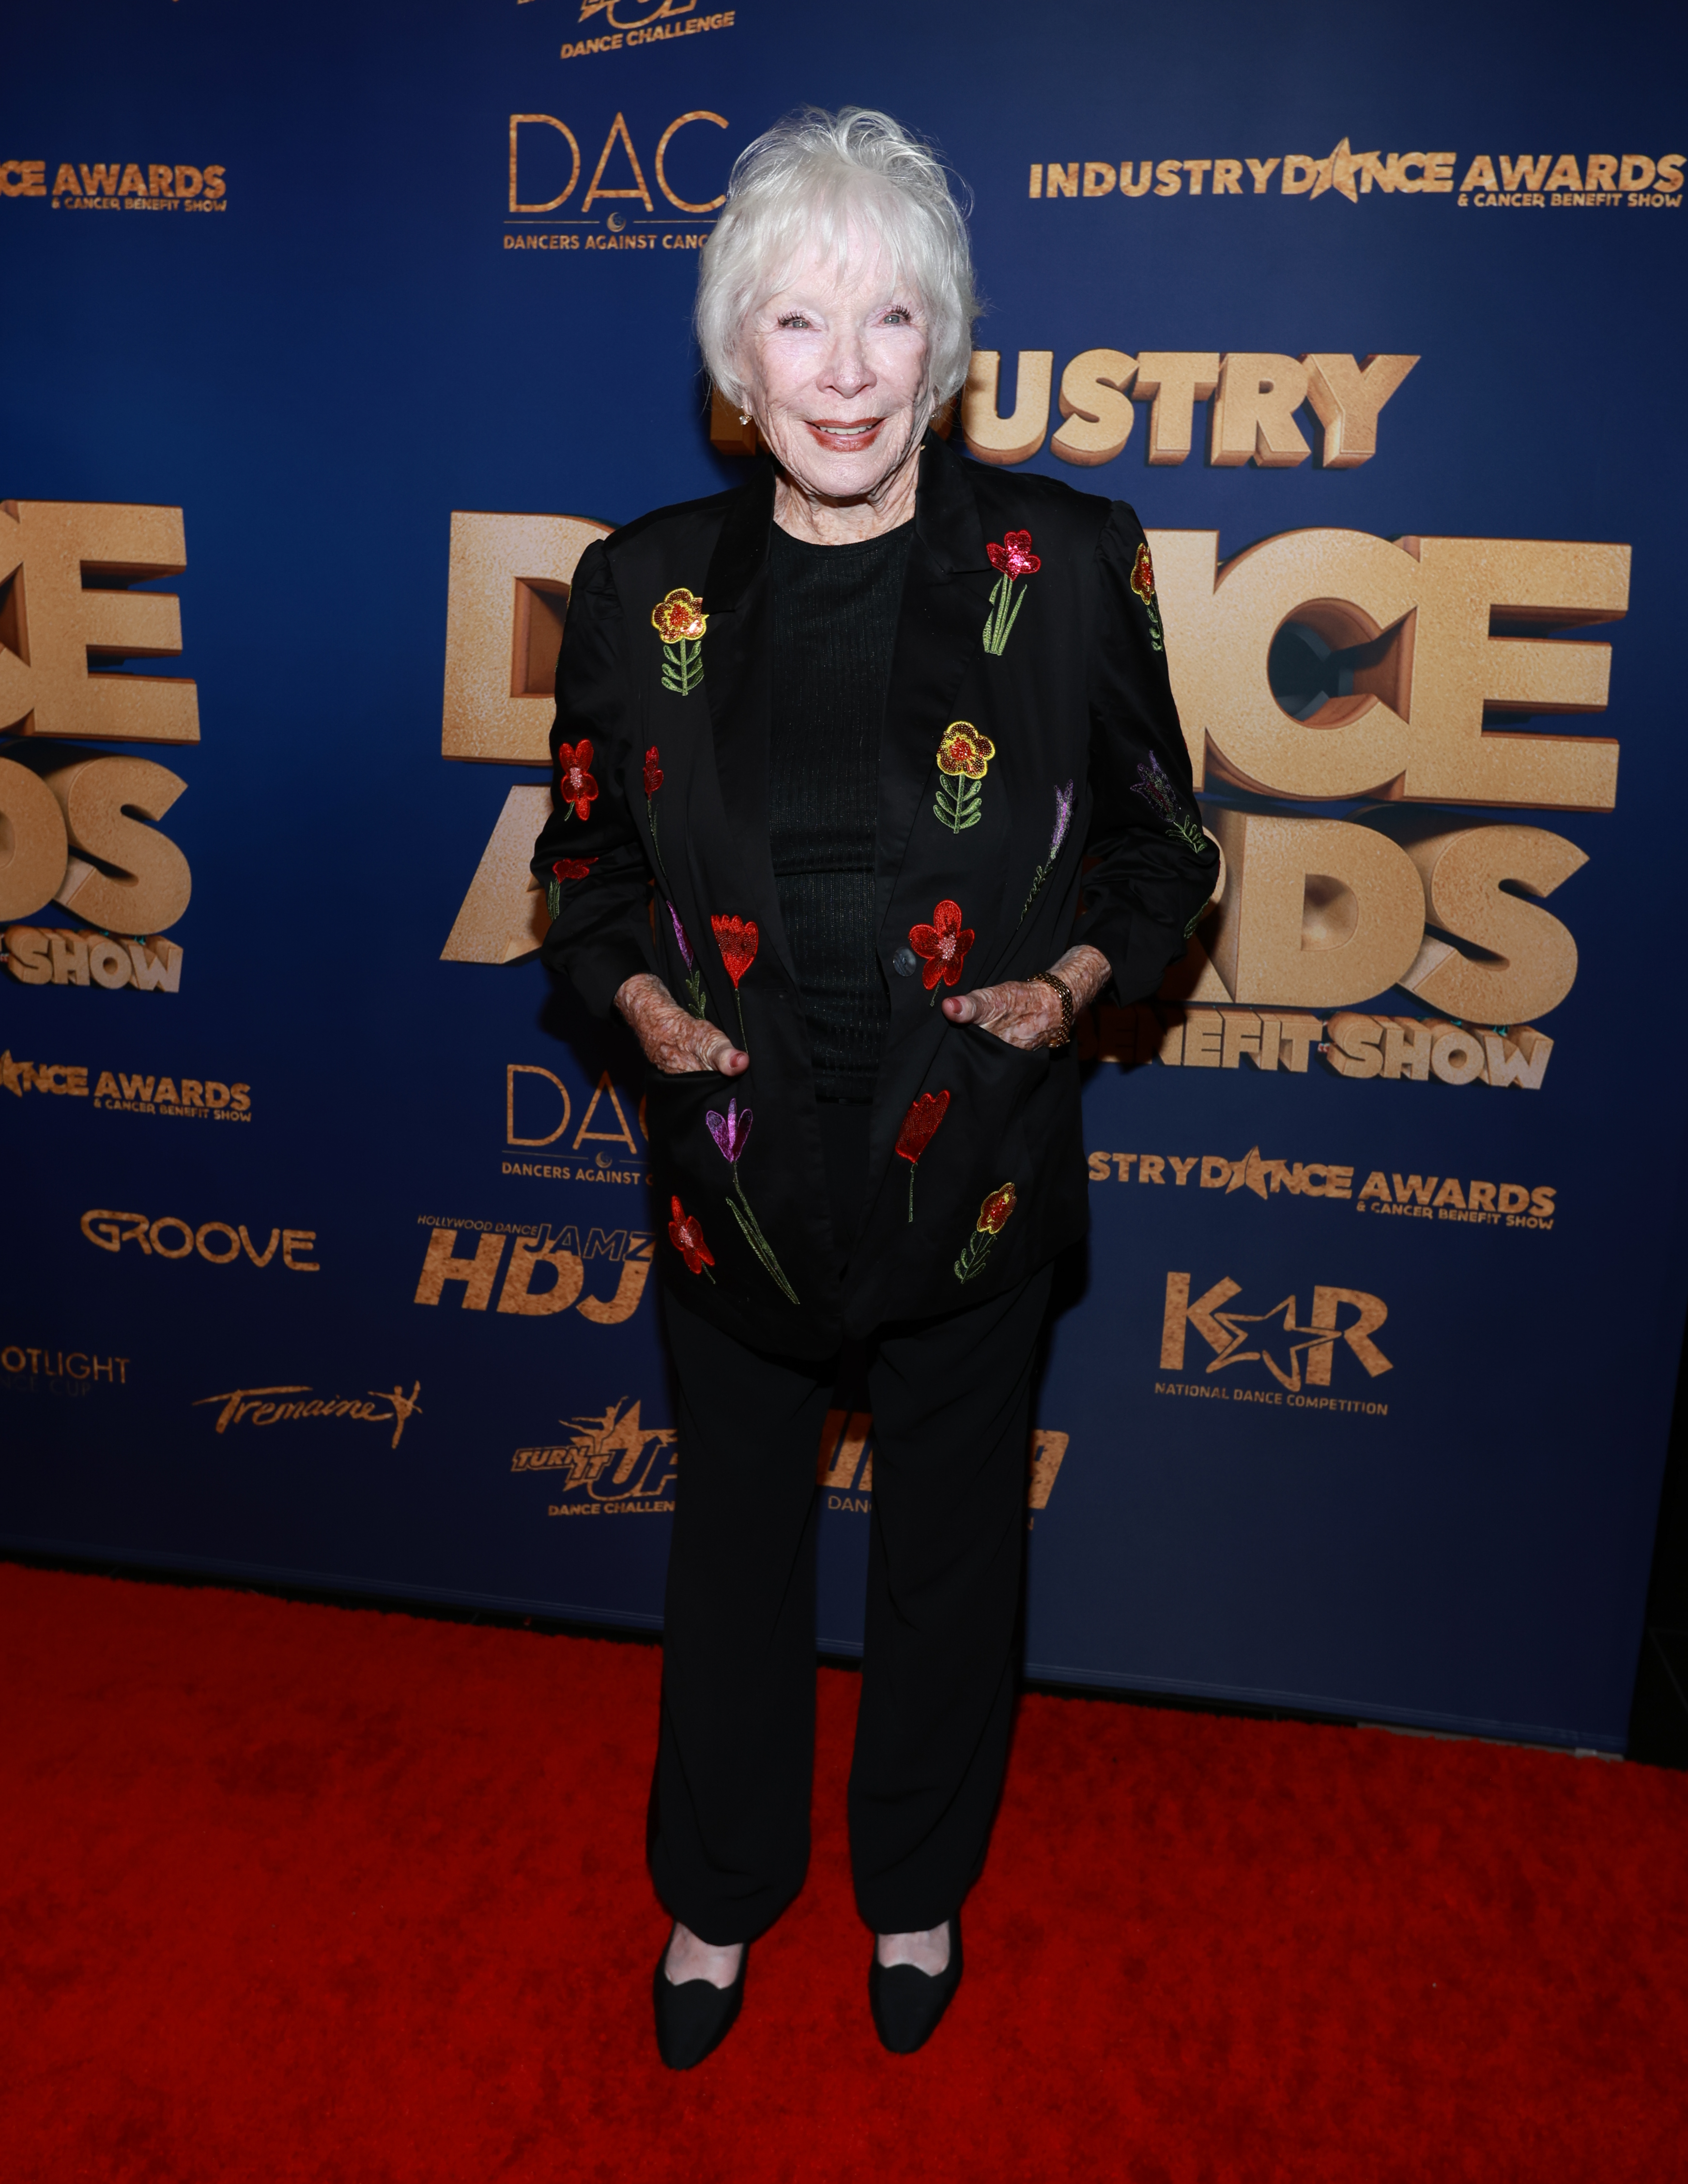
(837, 371)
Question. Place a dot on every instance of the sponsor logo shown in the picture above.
(1297, 1354)
(547, 163)
(118, 184)
(220, 1242)
(544, 1273)
(1547, 179)
(615, 1465)
(629, 24)
(1516, 1205)
(189, 1098)
(32, 1368)
(295, 1402)
(538, 1112)
(844, 1466)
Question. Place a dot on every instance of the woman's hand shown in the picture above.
(1023, 1012)
(674, 1041)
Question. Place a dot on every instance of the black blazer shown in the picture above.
(1059, 673)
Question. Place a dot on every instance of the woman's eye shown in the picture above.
(794, 322)
(897, 317)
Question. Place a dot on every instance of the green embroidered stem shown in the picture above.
(993, 626)
(1041, 874)
(683, 668)
(1006, 603)
(973, 1259)
(739, 1206)
(694, 997)
(958, 803)
(912, 1166)
(1188, 831)
(650, 820)
(553, 900)
(1154, 632)
(744, 1043)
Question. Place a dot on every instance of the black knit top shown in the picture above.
(835, 611)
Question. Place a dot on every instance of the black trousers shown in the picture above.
(729, 1817)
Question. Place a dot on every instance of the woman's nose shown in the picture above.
(846, 370)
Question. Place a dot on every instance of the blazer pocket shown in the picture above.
(997, 1061)
(984, 1140)
(681, 1151)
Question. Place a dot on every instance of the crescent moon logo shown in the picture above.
(616, 222)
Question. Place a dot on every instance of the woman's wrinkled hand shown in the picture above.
(674, 1041)
(1024, 1013)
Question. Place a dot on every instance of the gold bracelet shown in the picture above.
(1059, 985)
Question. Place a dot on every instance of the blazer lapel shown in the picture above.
(737, 683)
(945, 596)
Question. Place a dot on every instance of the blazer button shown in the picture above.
(905, 962)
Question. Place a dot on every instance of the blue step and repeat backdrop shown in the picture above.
(333, 334)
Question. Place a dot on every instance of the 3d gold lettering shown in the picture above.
(52, 622)
(1094, 391)
(1015, 438)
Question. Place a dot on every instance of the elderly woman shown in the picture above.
(832, 754)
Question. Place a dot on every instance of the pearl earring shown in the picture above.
(744, 421)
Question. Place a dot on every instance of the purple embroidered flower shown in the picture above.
(1153, 785)
(1154, 788)
(1063, 819)
(696, 1000)
(730, 1131)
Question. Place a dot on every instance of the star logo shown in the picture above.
(17, 1076)
(1260, 1176)
(1296, 1353)
(1337, 170)
(1290, 1340)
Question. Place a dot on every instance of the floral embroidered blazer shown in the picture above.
(1030, 741)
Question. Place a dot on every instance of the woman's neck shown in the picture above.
(826, 522)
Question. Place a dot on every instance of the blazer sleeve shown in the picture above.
(595, 869)
(1149, 868)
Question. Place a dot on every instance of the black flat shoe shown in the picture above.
(907, 2004)
(694, 2018)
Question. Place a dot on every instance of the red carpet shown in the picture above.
(294, 1892)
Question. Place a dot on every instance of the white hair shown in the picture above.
(821, 179)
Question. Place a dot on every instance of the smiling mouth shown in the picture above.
(859, 433)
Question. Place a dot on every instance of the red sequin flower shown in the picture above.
(1014, 557)
(653, 772)
(1142, 576)
(944, 944)
(574, 784)
(736, 938)
(920, 1127)
(686, 1234)
(920, 1124)
(573, 868)
(994, 1212)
